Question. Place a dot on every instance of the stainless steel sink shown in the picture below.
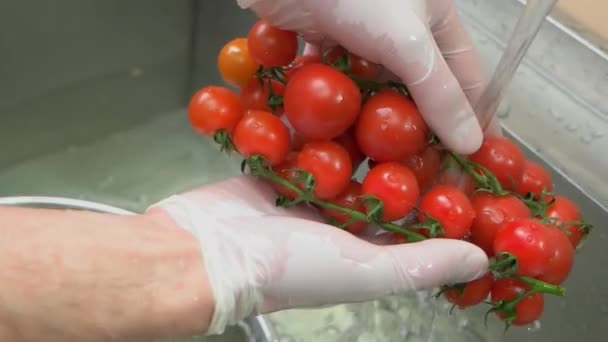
(93, 108)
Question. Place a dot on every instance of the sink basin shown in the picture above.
(93, 108)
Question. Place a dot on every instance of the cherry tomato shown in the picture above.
(287, 170)
(395, 186)
(214, 108)
(474, 292)
(299, 62)
(347, 140)
(321, 102)
(503, 158)
(560, 264)
(271, 46)
(349, 198)
(358, 66)
(492, 212)
(390, 127)
(451, 207)
(256, 94)
(527, 310)
(426, 166)
(534, 179)
(235, 64)
(529, 241)
(262, 133)
(330, 165)
(567, 216)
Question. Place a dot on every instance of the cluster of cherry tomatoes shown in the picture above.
(308, 123)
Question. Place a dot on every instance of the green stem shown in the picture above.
(485, 180)
(258, 169)
(537, 286)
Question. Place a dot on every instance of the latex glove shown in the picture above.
(261, 258)
(422, 42)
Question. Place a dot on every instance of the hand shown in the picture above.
(422, 42)
(260, 258)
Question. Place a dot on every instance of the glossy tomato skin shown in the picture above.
(474, 292)
(390, 127)
(529, 241)
(287, 170)
(271, 46)
(527, 310)
(235, 63)
(534, 179)
(262, 133)
(255, 95)
(492, 212)
(395, 186)
(426, 166)
(330, 165)
(560, 263)
(214, 108)
(358, 66)
(564, 211)
(300, 62)
(349, 198)
(320, 102)
(451, 207)
(502, 157)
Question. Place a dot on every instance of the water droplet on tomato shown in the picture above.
(495, 216)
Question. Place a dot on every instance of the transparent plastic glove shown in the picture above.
(261, 258)
(422, 42)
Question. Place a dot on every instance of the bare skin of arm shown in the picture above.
(81, 276)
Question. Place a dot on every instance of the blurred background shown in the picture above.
(93, 96)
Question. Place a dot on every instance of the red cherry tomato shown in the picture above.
(270, 46)
(358, 66)
(451, 207)
(347, 140)
(349, 198)
(527, 310)
(235, 63)
(214, 108)
(492, 212)
(567, 216)
(287, 171)
(330, 165)
(390, 127)
(474, 292)
(560, 264)
(262, 133)
(503, 158)
(395, 186)
(529, 241)
(320, 102)
(299, 62)
(426, 166)
(534, 179)
(256, 94)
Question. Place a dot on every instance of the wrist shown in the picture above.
(184, 297)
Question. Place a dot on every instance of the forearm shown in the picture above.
(83, 276)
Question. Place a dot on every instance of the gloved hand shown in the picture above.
(422, 42)
(260, 258)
